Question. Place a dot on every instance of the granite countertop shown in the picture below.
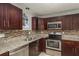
(70, 37)
(19, 41)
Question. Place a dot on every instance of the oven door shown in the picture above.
(53, 44)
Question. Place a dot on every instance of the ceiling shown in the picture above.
(41, 9)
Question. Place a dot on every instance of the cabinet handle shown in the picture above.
(75, 50)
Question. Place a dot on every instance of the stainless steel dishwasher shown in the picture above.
(22, 51)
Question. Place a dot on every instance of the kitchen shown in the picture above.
(29, 29)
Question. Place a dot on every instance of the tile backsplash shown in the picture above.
(15, 33)
(68, 32)
(71, 32)
(9, 34)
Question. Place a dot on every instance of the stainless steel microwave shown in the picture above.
(55, 25)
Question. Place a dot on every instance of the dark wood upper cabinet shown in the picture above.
(34, 23)
(11, 17)
(1, 17)
(39, 23)
(67, 22)
(71, 22)
(15, 18)
(75, 21)
(53, 19)
(45, 24)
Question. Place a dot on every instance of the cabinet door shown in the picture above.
(40, 24)
(67, 22)
(1, 16)
(42, 45)
(33, 49)
(27, 51)
(67, 51)
(67, 48)
(76, 45)
(10, 17)
(20, 52)
(45, 24)
(15, 17)
(34, 23)
(19, 19)
(75, 19)
(30, 51)
(77, 51)
(6, 16)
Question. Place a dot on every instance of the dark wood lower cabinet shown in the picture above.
(42, 45)
(77, 51)
(5, 54)
(76, 45)
(67, 51)
(70, 48)
(33, 48)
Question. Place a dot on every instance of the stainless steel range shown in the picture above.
(54, 41)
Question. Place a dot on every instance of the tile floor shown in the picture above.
(43, 54)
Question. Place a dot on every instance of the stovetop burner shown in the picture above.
(55, 36)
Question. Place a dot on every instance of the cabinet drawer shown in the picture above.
(76, 43)
(67, 43)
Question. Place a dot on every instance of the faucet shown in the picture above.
(28, 35)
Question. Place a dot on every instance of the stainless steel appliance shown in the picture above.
(54, 41)
(55, 25)
(55, 35)
(53, 44)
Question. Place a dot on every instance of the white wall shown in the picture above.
(28, 13)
